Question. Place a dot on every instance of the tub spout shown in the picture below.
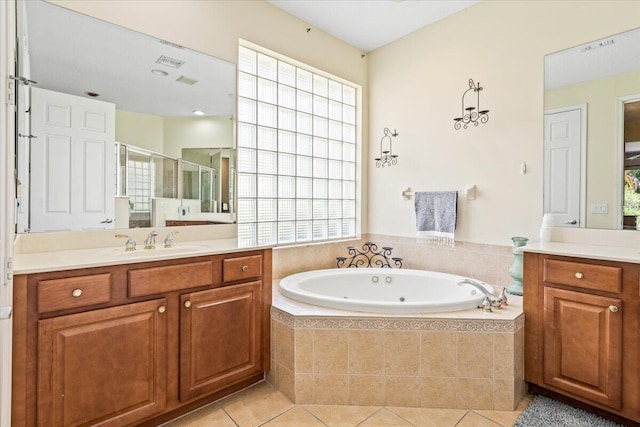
(495, 301)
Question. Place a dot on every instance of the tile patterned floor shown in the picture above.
(263, 405)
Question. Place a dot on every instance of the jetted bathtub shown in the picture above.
(383, 290)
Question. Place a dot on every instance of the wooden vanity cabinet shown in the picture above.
(581, 331)
(138, 344)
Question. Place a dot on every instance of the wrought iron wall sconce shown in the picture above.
(369, 257)
(472, 113)
(387, 158)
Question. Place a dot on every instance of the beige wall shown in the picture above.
(601, 99)
(196, 132)
(142, 130)
(416, 85)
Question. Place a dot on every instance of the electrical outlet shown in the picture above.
(599, 209)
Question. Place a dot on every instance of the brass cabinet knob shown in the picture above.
(579, 275)
(245, 268)
(187, 304)
(613, 308)
(76, 293)
(162, 309)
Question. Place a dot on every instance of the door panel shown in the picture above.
(583, 345)
(72, 162)
(105, 367)
(220, 338)
(562, 167)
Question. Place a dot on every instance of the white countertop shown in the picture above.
(580, 250)
(39, 262)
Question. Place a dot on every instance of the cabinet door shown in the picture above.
(583, 345)
(219, 338)
(103, 367)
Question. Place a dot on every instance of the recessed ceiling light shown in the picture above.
(92, 94)
(198, 112)
(159, 72)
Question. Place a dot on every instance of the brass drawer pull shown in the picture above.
(579, 275)
(162, 309)
(187, 304)
(76, 293)
(245, 268)
(613, 309)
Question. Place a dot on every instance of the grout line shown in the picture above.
(375, 412)
(399, 416)
(487, 418)
(230, 417)
(313, 415)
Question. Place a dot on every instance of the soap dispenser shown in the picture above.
(545, 228)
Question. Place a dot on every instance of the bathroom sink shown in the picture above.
(160, 250)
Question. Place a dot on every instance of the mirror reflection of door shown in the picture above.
(631, 164)
(563, 159)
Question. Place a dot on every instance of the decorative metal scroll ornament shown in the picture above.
(387, 158)
(369, 257)
(473, 113)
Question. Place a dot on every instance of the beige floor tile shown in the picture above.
(384, 418)
(506, 418)
(430, 417)
(297, 416)
(256, 405)
(340, 415)
(474, 420)
(210, 415)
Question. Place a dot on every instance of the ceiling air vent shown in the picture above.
(166, 43)
(186, 80)
(169, 62)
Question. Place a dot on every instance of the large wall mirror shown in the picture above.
(119, 129)
(592, 134)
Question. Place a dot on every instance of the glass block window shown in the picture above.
(296, 153)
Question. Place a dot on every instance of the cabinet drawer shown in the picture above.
(157, 280)
(582, 275)
(73, 292)
(241, 268)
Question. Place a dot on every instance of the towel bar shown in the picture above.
(469, 192)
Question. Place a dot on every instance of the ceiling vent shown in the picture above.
(186, 80)
(170, 62)
(166, 43)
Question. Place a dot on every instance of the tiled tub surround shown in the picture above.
(465, 360)
(488, 263)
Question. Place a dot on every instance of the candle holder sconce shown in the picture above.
(471, 113)
(387, 158)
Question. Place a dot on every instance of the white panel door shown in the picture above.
(72, 162)
(562, 167)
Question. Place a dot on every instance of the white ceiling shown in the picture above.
(613, 55)
(73, 53)
(369, 24)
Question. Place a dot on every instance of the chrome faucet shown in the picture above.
(150, 241)
(495, 301)
(130, 245)
(168, 241)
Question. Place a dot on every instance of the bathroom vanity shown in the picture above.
(141, 342)
(582, 317)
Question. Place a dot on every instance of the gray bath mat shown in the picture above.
(545, 412)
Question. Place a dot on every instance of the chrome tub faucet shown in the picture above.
(150, 241)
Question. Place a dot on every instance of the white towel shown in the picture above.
(436, 216)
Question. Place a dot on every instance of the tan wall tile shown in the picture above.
(330, 351)
(270, 376)
(438, 354)
(366, 352)
(330, 389)
(401, 353)
(285, 382)
(366, 390)
(504, 396)
(437, 393)
(401, 391)
(474, 393)
(518, 356)
(503, 356)
(304, 388)
(475, 355)
(284, 345)
(304, 350)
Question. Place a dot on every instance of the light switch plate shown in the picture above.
(599, 208)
